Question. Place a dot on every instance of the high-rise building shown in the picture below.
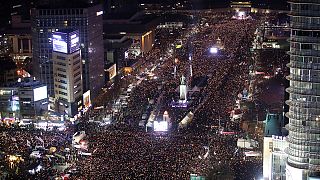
(304, 107)
(67, 71)
(87, 18)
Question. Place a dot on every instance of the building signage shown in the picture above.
(66, 42)
(59, 43)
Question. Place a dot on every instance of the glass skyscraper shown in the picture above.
(87, 18)
(304, 102)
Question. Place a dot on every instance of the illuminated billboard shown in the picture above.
(66, 41)
(112, 71)
(86, 100)
(59, 42)
(160, 126)
(40, 93)
(74, 44)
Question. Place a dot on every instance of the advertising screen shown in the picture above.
(112, 71)
(74, 41)
(40, 93)
(160, 126)
(59, 43)
(86, 100)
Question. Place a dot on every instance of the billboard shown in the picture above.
(66, 42)
(40, 93)
(86, 100)
(74, 44)
(59, 42)
(160, 126)
(112, 71)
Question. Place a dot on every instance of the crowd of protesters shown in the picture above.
(123, 151)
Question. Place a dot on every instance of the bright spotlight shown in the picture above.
(213, 50)
(241, 15)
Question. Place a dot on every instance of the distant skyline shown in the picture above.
(6, 6)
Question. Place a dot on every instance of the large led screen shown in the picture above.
(74, 41)
(112, 71)
(160, 126)
(59, 43)
(40, 93)
(86, 100)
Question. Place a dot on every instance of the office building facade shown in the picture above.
(304, 101)
(67, 71)
(27, 98)
(86, 18)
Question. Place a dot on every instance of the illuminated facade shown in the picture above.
(88, 20)
(67, 71)
(24, 99)
(241, 5)
(21, 46)
(274, 157)
(304, 107)
(142, 42)
(9, 103)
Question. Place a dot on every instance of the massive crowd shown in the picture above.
(123, 151)
(22, 143)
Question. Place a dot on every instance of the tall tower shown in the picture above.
(87, 18)
(67, 71)
(183, 90)
(304, 101)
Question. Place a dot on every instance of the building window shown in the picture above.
(61, 58)
(306, 46)
(63, 93)
(62, 75)
(76, 56)
(61, 64)
(62, 87)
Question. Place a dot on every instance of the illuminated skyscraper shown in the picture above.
(304, 101)
(87, 18)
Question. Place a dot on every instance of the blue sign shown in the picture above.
(59, 42)
(66, 42)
